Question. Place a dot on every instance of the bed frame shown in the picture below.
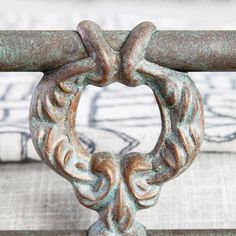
(117, 186)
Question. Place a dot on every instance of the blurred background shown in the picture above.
(118, 14)
(118, 119)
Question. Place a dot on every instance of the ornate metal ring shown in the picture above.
(116, 186)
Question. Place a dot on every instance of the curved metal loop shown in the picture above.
(133, 53)
(116, 186)
(106, 59)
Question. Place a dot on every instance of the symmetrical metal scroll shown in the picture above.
(116, 186)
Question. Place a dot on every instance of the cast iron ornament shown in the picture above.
(116, 186)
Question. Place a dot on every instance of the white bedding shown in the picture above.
(127, 117)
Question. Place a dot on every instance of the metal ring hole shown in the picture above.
(118, 119)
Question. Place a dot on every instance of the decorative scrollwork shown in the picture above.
(116, 186)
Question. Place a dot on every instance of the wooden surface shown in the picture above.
(150, 233)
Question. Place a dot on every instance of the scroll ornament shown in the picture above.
(116, 186)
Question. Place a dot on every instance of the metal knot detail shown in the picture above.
(116, 186)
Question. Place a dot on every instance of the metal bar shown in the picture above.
(216, 232)
(179, 50)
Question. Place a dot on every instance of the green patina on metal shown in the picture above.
(178, 50)
(116, 186)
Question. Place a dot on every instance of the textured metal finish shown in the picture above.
(219, 232)
(116, 186)
(178, 50)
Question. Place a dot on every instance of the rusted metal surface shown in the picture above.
(150, 233)
(178, 50)
(116, 186)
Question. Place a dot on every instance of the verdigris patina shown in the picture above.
(116, 186)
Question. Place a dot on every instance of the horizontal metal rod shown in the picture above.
(188, 232)
(180, 50)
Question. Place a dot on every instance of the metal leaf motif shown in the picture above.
(116, 186)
